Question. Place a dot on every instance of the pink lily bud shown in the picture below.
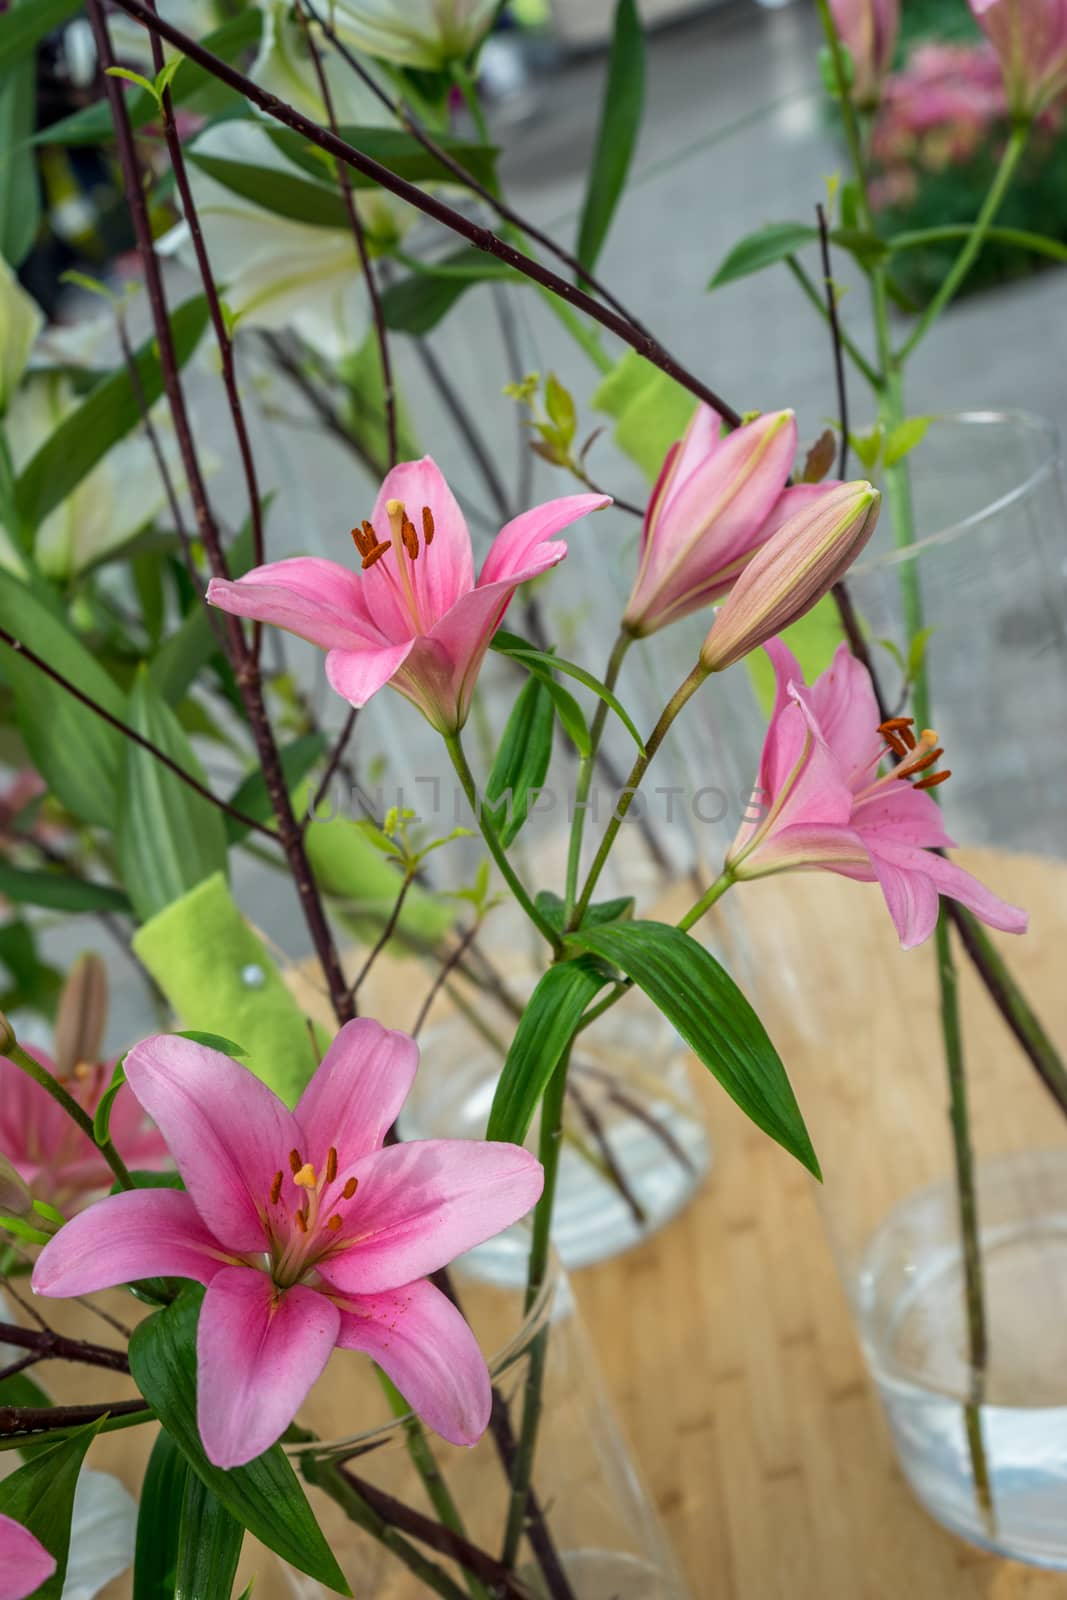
(1030, 38)
(805, 558)
(869, 28)
(707, 514)
(15, 1197)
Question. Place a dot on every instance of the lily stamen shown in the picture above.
(276, 1189)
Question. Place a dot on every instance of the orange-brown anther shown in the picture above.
(331, 1164)
(894, 742)
(301, 1221)
(927, 760)
(359, 539)
(908, 738)
(932, 781)
(275, 1188)
(350, 1188)
(410, 538)
(295, 1162)
(334, 1224)
(892, 724)
(427, 526)
(375, 555)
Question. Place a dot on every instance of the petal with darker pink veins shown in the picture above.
(357, 1092)
(517, 552)
(142, 1233)
(357, 675)
(318, 600)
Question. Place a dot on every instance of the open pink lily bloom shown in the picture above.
(59, 1162)
(308, 1231)
(826, 806)
(1030, 38)
(24, 1562)
(414, 617)
(718, 499)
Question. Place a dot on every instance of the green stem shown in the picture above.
(855, 355)
(467, 88)
(549, 1145)
(492, 839)
(706, 901)
(425, 1463)
(586, 768)
(674, 705)
(77, 1114)
(976, 238)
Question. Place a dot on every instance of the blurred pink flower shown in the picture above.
(414, 617)
(59, 1162)
(869, 28)
(825, 806)
(308, 1231)
(1030, 37)
(25, 1564)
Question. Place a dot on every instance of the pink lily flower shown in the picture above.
(308, 1231)
(826, 806)
(869, 28)
(718, 498)
(60, 1163)
(414, 617)
(24, 1562)
(1030, 37)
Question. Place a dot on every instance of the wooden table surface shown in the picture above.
(726, 1339)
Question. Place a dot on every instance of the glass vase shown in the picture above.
(970, 1360)
(636, 1147)
(589, 1532)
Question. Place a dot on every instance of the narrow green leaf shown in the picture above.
(620, 119)
(509, 644)
(399, 151)
(108, 413)
(252, 796)
(762, 249)
(700, 999)
(552, 907)
(155, 1563)
(134, 77)
(165, 76)
(209, 1545)
(522, 760)
(917, 651)
(542, 1037)
(314, 202)
(55, 892)
(570, 714)
(92, 125)
(169, 838)
(76, 752)
(23, 26)
(40, 1495)
(264, 1496)
(20, 195)
(419, 302)
(102, 1114)
(193, 643)
(213, 1041)
(904, 437)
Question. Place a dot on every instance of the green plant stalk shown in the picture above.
(425, 1463)
(963, 263)
(586, 768)
(898, 489)
(549, 1145)
(41, 1075)
(680, 697)
(492, 839)
(723, 882)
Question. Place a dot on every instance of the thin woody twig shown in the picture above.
(445, 971)
(835, 333)
(380, 334)
(48, 1345)
(18, 1420)
(430, 205)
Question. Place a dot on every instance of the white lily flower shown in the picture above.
(283, 66)
(415, 33)
(132, 44)
(21, 320)
(274, 272)
(112, 503)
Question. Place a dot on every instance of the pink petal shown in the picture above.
(700, 441)
(317, 600)
(846, 710)
(797, 497)
(25, 1564)
(517, 554)
(357, 1093)
(358, 674)
(421, 1204)
(228, 1133)
(141, 1233)
(904, 814)
(443, 571)
(421, 1341)
(810, 844)
(900, 867)
(259, 1349)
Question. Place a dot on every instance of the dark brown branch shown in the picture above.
(243, 660)
(18, 1420)
(15, 1367)
(356, 225)
(49, 1346)
(430, 205)
(385, 935)
(132, 734)
(448, 966)
(337, 755)
(835, 334)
